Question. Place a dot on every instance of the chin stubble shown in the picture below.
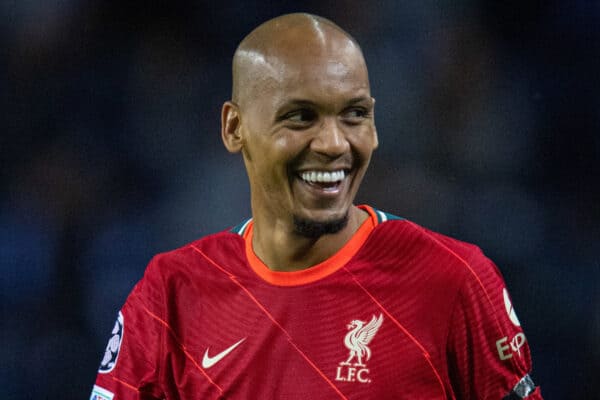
(315, 229)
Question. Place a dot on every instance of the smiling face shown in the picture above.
(303, 120)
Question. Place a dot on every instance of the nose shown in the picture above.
(330, 139)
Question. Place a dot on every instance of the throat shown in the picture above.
(307, 244)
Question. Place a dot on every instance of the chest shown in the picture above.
(340, 339)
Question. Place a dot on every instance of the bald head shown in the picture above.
(264, 56)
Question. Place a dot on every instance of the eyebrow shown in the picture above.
(302, 102)
(360, 99)
(298, 102)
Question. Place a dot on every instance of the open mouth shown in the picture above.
(328, 181)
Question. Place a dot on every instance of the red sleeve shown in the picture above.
(130, 365)
(488, 352)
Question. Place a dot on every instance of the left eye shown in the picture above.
(355, 115)
(302, 115)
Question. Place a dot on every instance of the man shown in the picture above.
(314, 297)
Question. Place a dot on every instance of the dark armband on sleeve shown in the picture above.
(522, 389)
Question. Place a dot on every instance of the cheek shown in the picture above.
(286, 146)
(364, 142)
(268, 160)
(284, 140)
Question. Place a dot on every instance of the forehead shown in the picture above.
(327, 71)
(299, 61)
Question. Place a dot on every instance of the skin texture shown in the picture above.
(301, 102)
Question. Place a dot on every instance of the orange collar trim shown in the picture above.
(316, 272)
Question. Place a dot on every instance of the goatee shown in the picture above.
(315, 229)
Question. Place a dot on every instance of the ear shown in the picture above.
(230, 127)
(375, 137)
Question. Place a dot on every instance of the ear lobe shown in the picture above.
(230, 127)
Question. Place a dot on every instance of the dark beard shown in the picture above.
(315, 229)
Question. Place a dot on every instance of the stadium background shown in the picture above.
(488, 116)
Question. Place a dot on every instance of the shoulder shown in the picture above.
(463, 252)
(192, 256)
(449, 264)
(403, 232)
(476, 268)
(400, 240)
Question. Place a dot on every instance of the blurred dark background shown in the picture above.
(488, 115)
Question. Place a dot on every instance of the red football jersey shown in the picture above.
(399, 312)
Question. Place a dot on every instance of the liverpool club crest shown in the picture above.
(360, 334)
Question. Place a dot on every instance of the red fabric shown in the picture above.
(442, 311)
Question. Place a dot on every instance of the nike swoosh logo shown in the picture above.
(208, 362)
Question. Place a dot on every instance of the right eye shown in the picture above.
(303, 116)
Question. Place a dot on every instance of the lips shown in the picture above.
(326, 177)
(322, 182)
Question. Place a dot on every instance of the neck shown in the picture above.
(282, 249)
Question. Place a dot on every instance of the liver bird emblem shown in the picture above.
(358, 337)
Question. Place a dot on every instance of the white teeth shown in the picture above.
(323, 176)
